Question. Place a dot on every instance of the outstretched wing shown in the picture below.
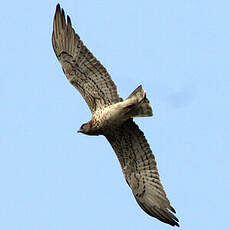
(140, 171)
(81, 68)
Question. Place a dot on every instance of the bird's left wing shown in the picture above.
(140, 171)
(81, 68)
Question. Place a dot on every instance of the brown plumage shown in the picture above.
(112, 117)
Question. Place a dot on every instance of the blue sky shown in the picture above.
(52, 178)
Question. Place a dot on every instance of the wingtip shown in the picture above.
(175, 223)
(172, 209)
(58, 7)
(69, 20)
(59, 10)
(63, 13)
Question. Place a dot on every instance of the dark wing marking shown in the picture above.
(81, 68)
(140, 171)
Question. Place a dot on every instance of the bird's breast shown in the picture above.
(109, 117)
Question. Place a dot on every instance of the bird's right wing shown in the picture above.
(81, 68)
(140, 171)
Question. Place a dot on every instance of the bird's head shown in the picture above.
(85, 128)
(89, 129)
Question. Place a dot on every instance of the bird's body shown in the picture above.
(113, 118)
(104, 119)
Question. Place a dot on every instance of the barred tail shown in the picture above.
(138, 104)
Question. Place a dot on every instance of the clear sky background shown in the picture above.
(52, 178)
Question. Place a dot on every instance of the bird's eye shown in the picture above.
(83, 126)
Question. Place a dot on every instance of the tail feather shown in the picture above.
(139, 105)
(138, 93)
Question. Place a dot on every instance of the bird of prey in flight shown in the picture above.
(113, 118)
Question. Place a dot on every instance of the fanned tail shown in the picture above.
(138, 104)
